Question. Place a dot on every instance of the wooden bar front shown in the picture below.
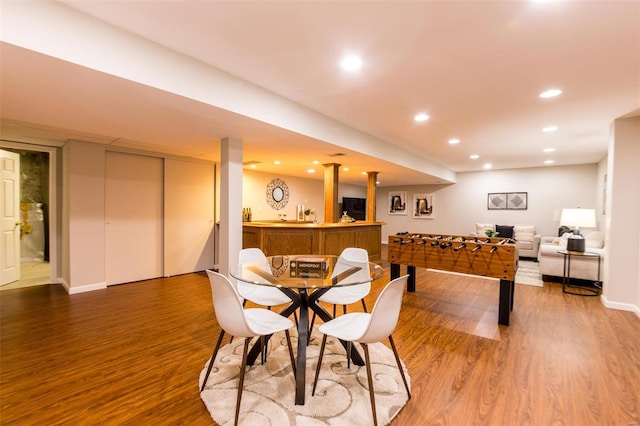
(275, 238)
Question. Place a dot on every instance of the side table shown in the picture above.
(566, 274)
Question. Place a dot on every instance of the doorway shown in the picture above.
(35, 213)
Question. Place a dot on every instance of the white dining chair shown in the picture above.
(366, 328)
(259, 294)
(237, 321)
(349, 294)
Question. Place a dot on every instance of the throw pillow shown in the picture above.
(594, 239)
(504, 231)
(482, 227)
(524, 232)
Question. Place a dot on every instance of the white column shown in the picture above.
(230, 238)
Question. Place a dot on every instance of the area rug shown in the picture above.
(528, 273)
(341, 397)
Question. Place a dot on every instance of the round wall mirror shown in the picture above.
(277, 194)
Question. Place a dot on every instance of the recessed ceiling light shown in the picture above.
(253, 166)
(551, 93)
(549, 161)
(487, 166)
(351, 63)
(548, 150)
(474, 156)
(364, 173)
(276, 162)
(421, 117)
(454, 141)
(311, 170)
(550, 129)
(345, 169)
(315, 162)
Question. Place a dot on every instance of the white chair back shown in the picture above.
(228, 306)
(256, 256)
(353, 256)
(386, 311)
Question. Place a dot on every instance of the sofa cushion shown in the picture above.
(524, 232)
(481, 228)
(594, 239)
(504, 231)
(525, 245)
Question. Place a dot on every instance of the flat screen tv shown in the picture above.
(355, 207)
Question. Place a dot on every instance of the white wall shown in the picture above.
(458, 207)
(309, 192)
(622, 276)
(83, 216)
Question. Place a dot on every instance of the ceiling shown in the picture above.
(476, 68)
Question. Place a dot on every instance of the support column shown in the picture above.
(230, 238)
(371, 196)
(331, 173)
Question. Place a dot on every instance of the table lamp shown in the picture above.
(576, 219)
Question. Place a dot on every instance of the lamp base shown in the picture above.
(575, 243)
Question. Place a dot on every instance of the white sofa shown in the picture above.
(582, 267)
(527, 240)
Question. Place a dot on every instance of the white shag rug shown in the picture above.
(341, 397)
(528, 273)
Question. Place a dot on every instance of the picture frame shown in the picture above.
(497, 201)
(517, 201)
(423, 206)
(397, 202)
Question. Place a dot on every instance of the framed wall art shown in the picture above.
(516, 200)
(507, 201)
(423, 206)
(398, 202)
(497, 201)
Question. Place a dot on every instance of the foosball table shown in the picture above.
(487, 257)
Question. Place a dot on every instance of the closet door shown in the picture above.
(188, 216)
(133, 213)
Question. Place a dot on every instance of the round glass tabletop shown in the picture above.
(307, 271)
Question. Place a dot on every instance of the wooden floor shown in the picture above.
(131, 354)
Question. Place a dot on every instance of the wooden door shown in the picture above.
(10, 212)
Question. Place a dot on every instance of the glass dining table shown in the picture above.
(304, 278)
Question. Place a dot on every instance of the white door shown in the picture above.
(133, 213)
(10, 199)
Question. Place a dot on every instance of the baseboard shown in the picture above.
(82, 288)
(620, 306)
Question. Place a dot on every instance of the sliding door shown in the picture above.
(134, 217)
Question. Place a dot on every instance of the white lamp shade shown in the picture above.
(578, 218)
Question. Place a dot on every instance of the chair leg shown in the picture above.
(293, 361)
(404, 379)
(349, 344)
(295, 317)
(370, 380)
(315, 380)
(241, 383)
(344, 309)
(213, 358)
(364, 306)
(263, 352)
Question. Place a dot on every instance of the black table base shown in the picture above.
(303, 301)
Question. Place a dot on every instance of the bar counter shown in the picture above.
(293, 237)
